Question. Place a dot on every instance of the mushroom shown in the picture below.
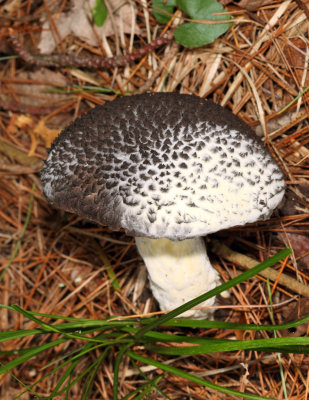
(168, 168)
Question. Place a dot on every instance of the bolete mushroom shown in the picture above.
(168, 168)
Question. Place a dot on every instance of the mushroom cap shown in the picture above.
(162, 165)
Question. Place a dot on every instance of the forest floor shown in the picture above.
(57, 263)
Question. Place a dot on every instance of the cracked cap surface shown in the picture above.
(162, 165)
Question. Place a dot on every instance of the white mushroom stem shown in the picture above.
(178, 272)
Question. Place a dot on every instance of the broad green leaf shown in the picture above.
(202, 9)
(99, 12)
(195, 35)
(199, 34)
(191, 7)
(164, 5)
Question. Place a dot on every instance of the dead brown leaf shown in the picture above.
(296, 53)
(300, 245)
(42, 131)
(30, 88)
(252, 5)
(293, 312)
(78, 23)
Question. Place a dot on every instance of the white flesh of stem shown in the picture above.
(178, 272)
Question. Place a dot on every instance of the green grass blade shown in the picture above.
(109, 269)
(11, 335)
(116, 370)
(193, 378)
(284, 344)
(143, 394)
(225, 286)
(67, 374)
(92, 374)
(89, 325)
(77, 357)
(26, 388)
(142, 387)
(55, 329)
(147, 379)
(4, 58)
(271, 312)
(51, 328)
(29, 354)
(187, 323)
(154, 336)
(75, 322)
(294, 100)
(71, 383)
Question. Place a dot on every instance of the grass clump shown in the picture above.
(141, 342)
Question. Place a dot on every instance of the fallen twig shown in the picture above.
(57, 60)
(248, 263)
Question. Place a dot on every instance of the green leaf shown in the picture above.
(195, 35)
(199, 34)
(191, 7)
(167, 6)
(99, 12)
(202, 9)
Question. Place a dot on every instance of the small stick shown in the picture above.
(83, 61)
(246, 262)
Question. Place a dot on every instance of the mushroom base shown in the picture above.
(178, 272)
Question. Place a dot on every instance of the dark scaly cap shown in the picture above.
(162, 165)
